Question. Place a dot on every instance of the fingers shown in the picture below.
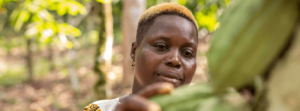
(137, 103)
(156, 88)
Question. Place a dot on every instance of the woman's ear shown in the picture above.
(133, 49)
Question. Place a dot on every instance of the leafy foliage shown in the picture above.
(206, 12)
(42, 22)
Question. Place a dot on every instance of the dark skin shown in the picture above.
(139, 102)
(167, 54)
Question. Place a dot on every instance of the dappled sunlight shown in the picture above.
(48, 48)
(107, 54)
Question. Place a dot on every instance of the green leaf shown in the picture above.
(213, 8)
(82, 9)
(32, 7)
(14, 15)
(46, 33)
(1, 3)
(69, 45)
(68, 30)
(53, 4)
(45, 40)
(104, 1)
(23, 17)
(74, 7)
(31, 32)
(206, 21)
(34, 29)
(48, 40)
(45, 15)
(93, 36)
(182, 2)
(227, 2)
(55, 1)
(35, 18)
(76, 32)
(52, 26)
(62, 8)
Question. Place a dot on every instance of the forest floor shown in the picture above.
(51, 90)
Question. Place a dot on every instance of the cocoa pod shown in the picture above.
(252, 33)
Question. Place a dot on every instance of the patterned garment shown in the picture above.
(92, 107)
(103, 105)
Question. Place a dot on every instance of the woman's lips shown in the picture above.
(171, 78)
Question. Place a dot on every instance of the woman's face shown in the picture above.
(166, 53)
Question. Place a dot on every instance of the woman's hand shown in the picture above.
(139, 102)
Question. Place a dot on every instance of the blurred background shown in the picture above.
(61, 55)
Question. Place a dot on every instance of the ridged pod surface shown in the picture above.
(251, 35)
(200, 98)
(184, 98)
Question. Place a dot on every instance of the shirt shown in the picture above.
(103, 105)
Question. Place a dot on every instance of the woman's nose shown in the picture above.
(174, 59)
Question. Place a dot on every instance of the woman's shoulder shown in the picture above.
(103, 105)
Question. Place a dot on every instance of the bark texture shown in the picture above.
(132, 10)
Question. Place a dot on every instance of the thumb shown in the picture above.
(137, 103)
(156, 88)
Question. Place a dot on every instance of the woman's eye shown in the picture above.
(188, 54)
(161, 47)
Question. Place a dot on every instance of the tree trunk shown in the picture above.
(72, 52)
(72, 70)
(133, 9)
(104, 50)
(8, 46)
(29, 60)
(50, 57)
(109, 34)
(108, 45)
(72, 57)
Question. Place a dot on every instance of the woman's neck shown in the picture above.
(136, 86)
(121, 99)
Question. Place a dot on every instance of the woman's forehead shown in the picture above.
(172, 25)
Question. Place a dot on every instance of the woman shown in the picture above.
(164, 51)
